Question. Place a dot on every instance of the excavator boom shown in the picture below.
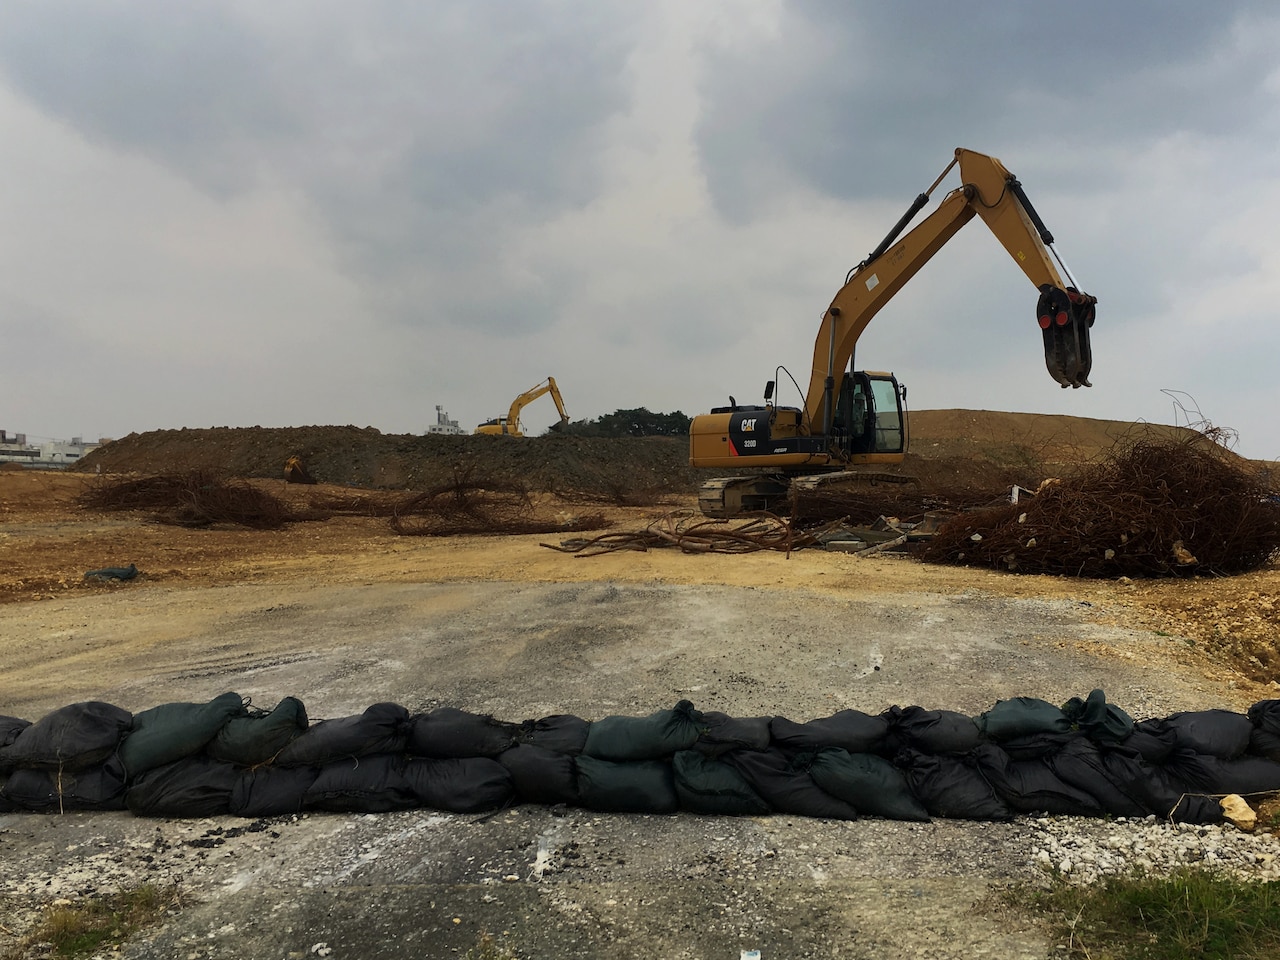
(991, 192)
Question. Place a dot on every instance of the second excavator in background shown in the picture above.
(853, 421)
(509, 426)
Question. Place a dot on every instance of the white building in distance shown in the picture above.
(443, 424)
(51, 454)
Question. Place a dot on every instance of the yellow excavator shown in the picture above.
(852, 421)
(509, 426)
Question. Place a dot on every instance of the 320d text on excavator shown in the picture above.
(852, 422)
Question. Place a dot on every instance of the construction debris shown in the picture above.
(1152, 508)
(471, 505)
(693, 533)
(198, 498)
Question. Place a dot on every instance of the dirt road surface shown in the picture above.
(343, 614)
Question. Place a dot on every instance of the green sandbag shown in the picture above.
(1101, 721)
(258, 737)
(871, 784)
(654, 737)
(1022, 717)
(645, 786)
(172, 731)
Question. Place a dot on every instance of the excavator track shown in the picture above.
(726, 497)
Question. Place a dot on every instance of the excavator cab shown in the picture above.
(869, 417)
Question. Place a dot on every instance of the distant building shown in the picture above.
(443, 424)
(51, 454)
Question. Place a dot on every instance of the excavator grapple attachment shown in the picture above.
(1065, 317)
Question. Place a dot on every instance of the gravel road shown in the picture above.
(548, 883)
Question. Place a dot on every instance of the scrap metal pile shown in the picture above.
(1087, 757)
(692, 533)
(1149, 509)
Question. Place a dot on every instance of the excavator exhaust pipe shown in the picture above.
(1065, 317)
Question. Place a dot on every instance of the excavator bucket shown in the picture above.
(1065, 317)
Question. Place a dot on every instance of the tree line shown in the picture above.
(639, 422)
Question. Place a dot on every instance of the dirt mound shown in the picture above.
(366, 457)
(951, 450)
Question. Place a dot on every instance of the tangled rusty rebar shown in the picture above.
(692, 533)
(1149, 509)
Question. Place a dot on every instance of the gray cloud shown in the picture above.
(858, 99)
(422, 133)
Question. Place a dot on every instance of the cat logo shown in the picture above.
(748, 425)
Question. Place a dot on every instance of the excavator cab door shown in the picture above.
(869, 414)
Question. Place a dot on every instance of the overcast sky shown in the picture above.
(325, 212)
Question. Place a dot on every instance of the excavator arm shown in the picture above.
(991, 192)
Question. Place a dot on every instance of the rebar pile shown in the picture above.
(694, 534)
(194, 499)
(468, 505)
(864, 509)
(1149, 509)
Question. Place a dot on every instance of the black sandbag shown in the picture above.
(709, 785)
(722, 733)
(195, 786)
(260, 735)
(382, 728)
(949, 787)
(540, 775)
(868, 783)
(783, 781)
(271, 791)
(172, 731)
(561, 733)
(1213, 775)
(100, 787)
(10, 727)
(1219, 733)
(1021, 717)
(1097, 719)
(460, 784)
(643, 786)
(1037, 746)
(850, 730)
(1265, 715)
(930, 731)
(1264, 743)
(654, 737)
(448, 732)
(71, 737)
(1079, 764)
(368, 784)
(1152, 740)
(1157, 791)
(1031, 786)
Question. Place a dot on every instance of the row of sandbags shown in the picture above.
(1024, 755)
